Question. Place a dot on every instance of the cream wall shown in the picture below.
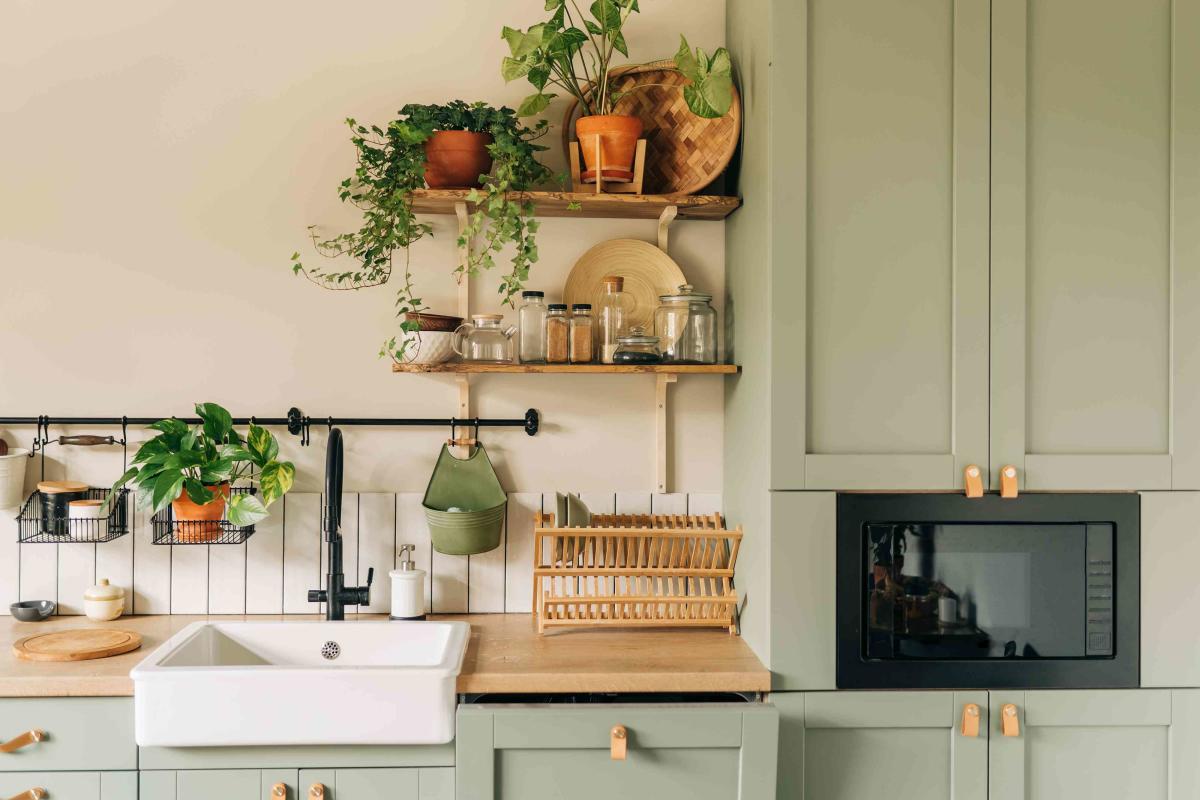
(162, 159)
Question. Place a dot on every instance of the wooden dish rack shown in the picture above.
(635, 570)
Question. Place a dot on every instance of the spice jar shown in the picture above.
(581, 333)
(611, 314)
(637, 348)
(686, 326)
(557, 334)
(532, 322)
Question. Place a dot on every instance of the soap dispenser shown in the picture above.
(408, 587)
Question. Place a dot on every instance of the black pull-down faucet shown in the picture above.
(336, 595)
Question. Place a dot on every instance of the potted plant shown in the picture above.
(456, 144)
(574, 52)
(191, 468)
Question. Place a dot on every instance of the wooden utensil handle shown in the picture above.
(24, 740)
(31, 794)
(86, 440)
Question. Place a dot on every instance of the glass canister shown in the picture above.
(532, 322)
(637, 347)
(558, 334)
(581, 333)
(611, 313)
(483, 340)
(686, 326)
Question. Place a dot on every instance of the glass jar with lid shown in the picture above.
(686, 326)
(637, 347)
(557, 334)
(532, 322)
(483, 340)
(581, 333)
(611, 313)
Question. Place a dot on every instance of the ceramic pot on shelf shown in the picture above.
(619, 134)
(104, 602)
(199, 523)
(456, 159)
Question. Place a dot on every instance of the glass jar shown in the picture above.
(686, 326)
(581, 333)
(532, 321)
(611, 314)
(484, 341)
(557, 334)
(637, 347)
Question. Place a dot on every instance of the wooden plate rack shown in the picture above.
(636, 570)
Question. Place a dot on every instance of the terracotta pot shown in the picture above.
(456, 159)
(199, 523)
(619, 134)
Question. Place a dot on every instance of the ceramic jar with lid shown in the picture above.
(87, 522)
(483, 340)
(686, 326)
(104, 601)
(56, 497)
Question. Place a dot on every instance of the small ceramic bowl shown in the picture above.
(429, 347)
(32, 610)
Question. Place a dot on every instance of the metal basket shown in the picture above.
(166, 530)
(33, 529)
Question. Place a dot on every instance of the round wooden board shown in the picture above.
(648, 273)
(76, 644)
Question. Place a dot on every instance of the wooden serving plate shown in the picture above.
(77, 644)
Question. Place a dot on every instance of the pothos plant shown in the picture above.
(197, 460)
(574, 52)
(391, 165)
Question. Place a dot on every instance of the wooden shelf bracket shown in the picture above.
(464, 303)
(664, 223)
(661, 480)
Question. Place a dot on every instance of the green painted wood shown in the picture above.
(118, 786)
(296, 757)
(376, 784)
(310, 777)
(158, 785)
(1092, 330)
(436, 783)
(290, 778)
(759, 758)
(906, 745)
(58, 785)
(474, 756)
(83, 733)
(1098, 745)
(803, 571)
(650, 727)
(227, 784)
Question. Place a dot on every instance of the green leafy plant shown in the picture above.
(196, 459)
(574, 51)
(391, 165)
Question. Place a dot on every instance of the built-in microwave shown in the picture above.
(946, 591)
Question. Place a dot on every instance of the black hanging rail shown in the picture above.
(296, 422)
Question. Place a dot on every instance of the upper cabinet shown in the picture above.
(884, 384)
(1095, 261)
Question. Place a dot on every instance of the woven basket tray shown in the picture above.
(684, 153)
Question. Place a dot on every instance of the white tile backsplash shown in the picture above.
(275, 568)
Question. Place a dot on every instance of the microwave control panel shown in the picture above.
(1100, 590)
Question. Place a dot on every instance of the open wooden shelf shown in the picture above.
(608, 206)
(460, 368)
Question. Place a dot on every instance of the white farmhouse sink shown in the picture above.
(293, 683)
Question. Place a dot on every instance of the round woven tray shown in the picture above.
(684, 153)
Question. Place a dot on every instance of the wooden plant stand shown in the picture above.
(635, 570)
(599, 184)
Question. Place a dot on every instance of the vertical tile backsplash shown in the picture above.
(272, 572)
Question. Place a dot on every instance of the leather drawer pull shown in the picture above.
(279, 790)
(973, 481)
(618, 743)
(970, 720)
(316, 791)
(1010, 725)
(1008, 481)
(24, 740)
(31, 794)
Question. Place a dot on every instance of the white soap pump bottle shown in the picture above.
(408, 587)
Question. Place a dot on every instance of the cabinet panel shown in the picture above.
(893, 277)
(362, 784)
(82, 733)
(58, 785)
(1091, 290)
(1170, 628)
(227, 784)
(902, 745)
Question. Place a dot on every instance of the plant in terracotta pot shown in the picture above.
(191, 468)
(457, 145)
(574, 51)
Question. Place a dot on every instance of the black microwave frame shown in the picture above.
(1121, 670)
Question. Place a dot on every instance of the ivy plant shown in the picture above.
(391, 165)
(573, 51)
(196, 459)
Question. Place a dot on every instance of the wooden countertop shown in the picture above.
(505, 655)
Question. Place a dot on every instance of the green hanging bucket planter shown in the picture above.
(471, 486)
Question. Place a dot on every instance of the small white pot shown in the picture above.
(429, 347)
(104, 602)
(12, 477)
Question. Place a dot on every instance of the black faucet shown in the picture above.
(336, 595)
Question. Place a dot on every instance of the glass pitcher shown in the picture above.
(483, 340)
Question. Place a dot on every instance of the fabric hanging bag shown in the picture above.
(470, 487)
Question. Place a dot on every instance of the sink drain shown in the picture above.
(330, 651)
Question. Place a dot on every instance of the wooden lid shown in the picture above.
(77, 644)
(85, 503)
(60, 487)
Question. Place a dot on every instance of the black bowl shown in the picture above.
(32, 610)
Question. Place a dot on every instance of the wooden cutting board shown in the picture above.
(77, 644)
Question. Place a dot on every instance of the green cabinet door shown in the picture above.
(57, 785)
(698, 752)
(227, 784)
(364, 784)
(1096, 745)
(898, 745)
(1095, 335)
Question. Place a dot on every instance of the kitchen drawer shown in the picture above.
(82, 733)
(71, 785)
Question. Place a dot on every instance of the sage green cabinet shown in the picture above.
(701, 752)
(425, 783)
(72, 785)
(899, 745)
(82, 733)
